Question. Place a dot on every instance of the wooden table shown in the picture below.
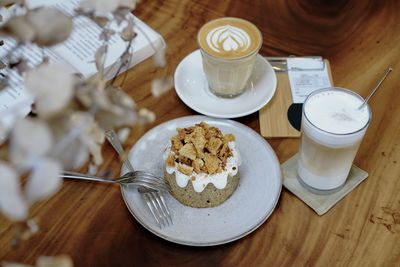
(89, 221)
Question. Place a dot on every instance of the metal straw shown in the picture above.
(388, 70)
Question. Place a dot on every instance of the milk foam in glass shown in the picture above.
(229, 48)
(332, 130)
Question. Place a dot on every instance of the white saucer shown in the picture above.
(192, 88)
(249, 206)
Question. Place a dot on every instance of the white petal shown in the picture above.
(99, 5)
(44, 180)
(131, 4)
(54, 261)
(51, 86)
(8, 178)
(123, 134)
(20, 28)
(128, 33)
(161, 86)
(12, 204)
(30, 138)
(49, 33)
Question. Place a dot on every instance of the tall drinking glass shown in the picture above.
(333, 127)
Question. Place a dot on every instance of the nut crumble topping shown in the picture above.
(200, 148)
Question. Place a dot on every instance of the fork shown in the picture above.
(154, 199)
(139, 178)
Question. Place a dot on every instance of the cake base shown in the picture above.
(208, 198)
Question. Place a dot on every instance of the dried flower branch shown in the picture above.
(70, 113)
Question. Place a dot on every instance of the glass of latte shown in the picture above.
(333, 127)
(229, 48)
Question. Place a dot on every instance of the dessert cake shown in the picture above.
(201, 166)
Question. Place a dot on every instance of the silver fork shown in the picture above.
(139, 178)
(154, 199)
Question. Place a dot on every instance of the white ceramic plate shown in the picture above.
(192, 88)
(249, 206)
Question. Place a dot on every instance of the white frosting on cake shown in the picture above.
(219, 180)
(228, 38)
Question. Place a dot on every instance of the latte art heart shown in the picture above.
(228, 38)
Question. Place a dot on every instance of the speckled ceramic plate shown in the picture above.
(249, 206)
(192, 88)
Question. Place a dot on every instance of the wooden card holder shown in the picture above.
(274, 122)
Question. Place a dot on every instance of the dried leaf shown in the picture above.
(2, 64)
(12, 203)
(119, 97)
(30, 139)
(110, 120)
(99, 5)
(120, 14)
(7, 3)
(120, 112)
(161, 86)
(106, 34)
(44, 180)
(90, 93)
(3, 132)
(73, 156)
(4, 81)
(91, 135)
(21, 65)
(100, 20)
(99, 57)
(128, 32)
(146, 115)
(51, 86)
(159, 57)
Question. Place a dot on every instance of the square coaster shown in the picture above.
(320, 203)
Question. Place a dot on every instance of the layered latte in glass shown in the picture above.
(333, 127)
(229, 48)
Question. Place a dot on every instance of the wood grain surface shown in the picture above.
(89, 221)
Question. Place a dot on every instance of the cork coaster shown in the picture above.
(320, 203)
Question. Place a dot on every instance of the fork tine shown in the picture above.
(161, 206)
(142, 175)
(158, 212)
(150, 183)
(150, 177)
(149, 204)
(147, 185)
(148, 174)
(164, 205)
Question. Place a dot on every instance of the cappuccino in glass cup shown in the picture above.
(333, 127)
(229, 48)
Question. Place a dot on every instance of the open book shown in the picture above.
(76, 55)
